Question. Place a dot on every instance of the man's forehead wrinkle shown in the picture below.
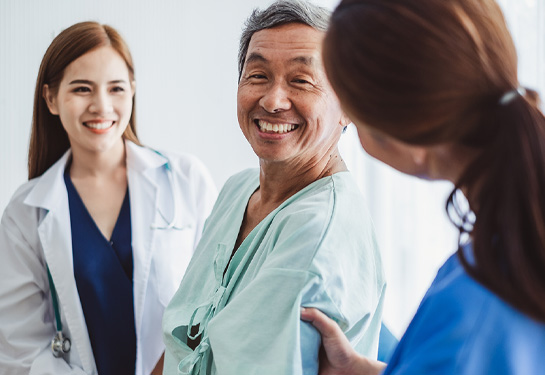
(287, 45)
(284, 44)
(305, 55)
(301, 59)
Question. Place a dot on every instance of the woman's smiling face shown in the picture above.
(94, 100)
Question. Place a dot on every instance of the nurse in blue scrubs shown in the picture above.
(114, 223)
(432, 87)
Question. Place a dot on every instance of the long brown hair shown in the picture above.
(48, 139)
(433, 71)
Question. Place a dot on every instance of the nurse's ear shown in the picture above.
(50, 99)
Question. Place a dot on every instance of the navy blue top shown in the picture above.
(462, 328)
(103, 271)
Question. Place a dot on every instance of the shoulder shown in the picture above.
(331, 208)
(17, 214)
(17, 201)
(454, 302)
(466, 328)
(237, 184)
(23, 190)
(245, 177)
(189, 170)
(185, 164)
(329, 223)
(327, 231)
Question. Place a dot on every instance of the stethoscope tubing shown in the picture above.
(59, 344)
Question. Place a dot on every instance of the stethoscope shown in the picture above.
(172, 224)
(60, 344)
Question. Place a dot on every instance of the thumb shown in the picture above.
(327, 327)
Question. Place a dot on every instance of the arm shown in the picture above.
(338, 357)
(27, 325)
(299, 267)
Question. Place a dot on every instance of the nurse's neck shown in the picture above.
(89, 163)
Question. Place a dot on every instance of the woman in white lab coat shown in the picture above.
(114, 222)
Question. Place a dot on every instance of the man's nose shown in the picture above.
(101, 103)
(276, 99)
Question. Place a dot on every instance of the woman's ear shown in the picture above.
(50, 100)
(133, 87)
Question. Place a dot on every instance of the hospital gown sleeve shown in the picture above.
(260, 332)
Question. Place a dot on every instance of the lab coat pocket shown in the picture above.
(173, 251)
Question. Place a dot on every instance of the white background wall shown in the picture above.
(185, 57)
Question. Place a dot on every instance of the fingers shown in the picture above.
(327, 327)
(338, 357)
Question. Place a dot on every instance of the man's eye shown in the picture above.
(301, 81)
(257, 76)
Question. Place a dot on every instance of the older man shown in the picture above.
(294, 232)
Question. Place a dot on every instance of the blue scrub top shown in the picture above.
(462, 328)
(103, 270)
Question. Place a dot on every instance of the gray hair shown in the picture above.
(279, 13)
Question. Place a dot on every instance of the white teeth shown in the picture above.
(275, 128)
(99, 125)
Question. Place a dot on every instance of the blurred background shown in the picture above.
(186, 71)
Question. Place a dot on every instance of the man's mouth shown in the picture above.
(267, 127)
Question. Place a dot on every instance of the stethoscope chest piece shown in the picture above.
(60, 345)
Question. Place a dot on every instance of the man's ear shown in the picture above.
(50, 100)
(345, 121)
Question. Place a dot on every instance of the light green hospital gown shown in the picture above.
(317, 249)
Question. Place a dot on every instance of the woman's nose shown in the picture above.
(101, 103)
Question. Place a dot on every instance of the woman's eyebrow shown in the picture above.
(87, 82)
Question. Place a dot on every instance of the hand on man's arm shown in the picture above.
(338, 357)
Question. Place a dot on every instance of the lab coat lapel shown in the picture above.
(55, 236)
(142, 167)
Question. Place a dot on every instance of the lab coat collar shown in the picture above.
(46, 192)
(142, 158)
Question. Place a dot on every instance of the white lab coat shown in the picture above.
(35, 230)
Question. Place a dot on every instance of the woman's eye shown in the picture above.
(257, 76)
(82, 89)
(301, 81)
(118, 89)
